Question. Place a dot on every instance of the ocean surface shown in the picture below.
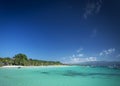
(59, 76)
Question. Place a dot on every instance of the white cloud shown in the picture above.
(91, 59)
(101, 53)
(75, 60)
(92, 8)
(111, 50)
(107, 52)
(77, 55)
(79, 50)
(79, 60)
(73, 55)
(80, 55)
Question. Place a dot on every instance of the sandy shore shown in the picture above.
(16, 66)
(11, 66)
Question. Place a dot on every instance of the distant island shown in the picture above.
(22, 60)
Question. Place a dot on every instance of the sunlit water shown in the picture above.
(59, 76)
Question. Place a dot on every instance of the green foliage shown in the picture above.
(6, 61)
(21, 59)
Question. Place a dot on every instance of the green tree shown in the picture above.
(6, 61)
(20, 59)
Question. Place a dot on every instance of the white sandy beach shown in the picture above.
(16, 66)
(11, 66)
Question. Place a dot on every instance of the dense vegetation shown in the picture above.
(21, 59)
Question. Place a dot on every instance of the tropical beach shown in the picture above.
(22, 71)
(59, 43)
(16, 71)
(20, 60)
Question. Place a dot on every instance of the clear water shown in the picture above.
(59, 76)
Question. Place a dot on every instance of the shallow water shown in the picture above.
(59, 76)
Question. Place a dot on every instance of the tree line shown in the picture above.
(22, 59)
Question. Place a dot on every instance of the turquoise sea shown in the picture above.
(59, 76)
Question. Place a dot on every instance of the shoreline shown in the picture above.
(17, 66)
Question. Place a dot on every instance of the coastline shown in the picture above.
(17, 66)
(11, 66)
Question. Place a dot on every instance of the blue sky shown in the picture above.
(66, 30)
